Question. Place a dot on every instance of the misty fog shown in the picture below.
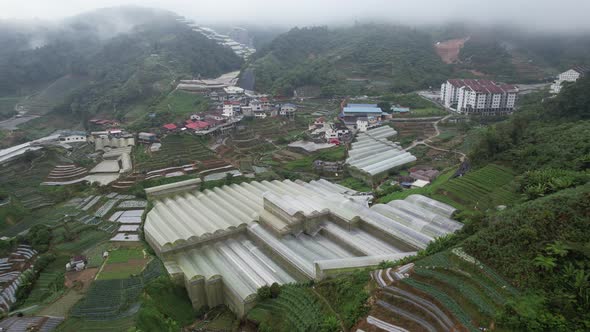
(532, 15)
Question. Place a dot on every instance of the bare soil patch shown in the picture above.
(449, 50)
(84, 278)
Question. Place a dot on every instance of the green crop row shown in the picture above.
(466, 290)
(445, 300)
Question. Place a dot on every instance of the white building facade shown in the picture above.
(571, 75)
(480, 97)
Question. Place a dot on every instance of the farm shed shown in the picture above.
(225, 243)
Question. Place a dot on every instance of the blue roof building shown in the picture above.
(362, 110)
(362, 105)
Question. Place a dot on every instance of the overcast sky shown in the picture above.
(536, 14)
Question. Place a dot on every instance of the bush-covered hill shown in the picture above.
(378, 57)
(128, 55)
(386, 56)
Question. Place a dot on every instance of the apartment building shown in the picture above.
(571, 75)
(478, 97)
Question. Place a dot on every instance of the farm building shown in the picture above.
(225, 243)
(144, 137)
(72, 137)
(352, 112)
(373, 155)
(104, 143)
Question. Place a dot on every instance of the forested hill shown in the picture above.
(125, 55)
(541, 245)
(374, 58)
(344, 60)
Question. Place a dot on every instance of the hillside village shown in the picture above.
(220, 208)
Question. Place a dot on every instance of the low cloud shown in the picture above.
(534, 15)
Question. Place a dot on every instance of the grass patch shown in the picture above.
(355, 184)
(124, 255)
(181, 104)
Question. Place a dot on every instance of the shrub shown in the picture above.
(263, 293)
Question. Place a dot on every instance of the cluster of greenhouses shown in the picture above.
(225, 243)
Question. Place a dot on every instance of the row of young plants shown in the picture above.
(444, 299)
(465, 289)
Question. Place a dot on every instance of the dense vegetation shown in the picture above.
(125, 59)
(372, 58)
(397, 57)
(541, 245)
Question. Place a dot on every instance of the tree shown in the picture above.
(558, 248)
(545, 263)
(275, 290)
(385, 106)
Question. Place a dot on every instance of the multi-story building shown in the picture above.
(231, 108)
(482, 97)
(571, 75)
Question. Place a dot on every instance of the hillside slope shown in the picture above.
(344, 60)
(126, 56)
(373, 58)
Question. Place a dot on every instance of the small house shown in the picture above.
(147, 137)
(77, 263)
(288, 110)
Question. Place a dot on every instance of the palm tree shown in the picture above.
(545, 263)
(557, 248)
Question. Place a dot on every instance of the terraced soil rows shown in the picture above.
(116, 298)
(484, 188)
(295, 309)
(176, 150)
(446, 291)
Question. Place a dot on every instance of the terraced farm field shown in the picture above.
(484, 188)
(49, 283)
(445, 291)
(116, 298)
(176, 150)
(409, 131)
(122, 263)
(295, 309)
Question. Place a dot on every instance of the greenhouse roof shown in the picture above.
(373, 153)
(253, 234)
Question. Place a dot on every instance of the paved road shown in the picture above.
(12, 123)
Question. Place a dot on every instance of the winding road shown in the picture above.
(436, 134)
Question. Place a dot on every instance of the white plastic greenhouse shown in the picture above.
(225, 243)
(372, 153)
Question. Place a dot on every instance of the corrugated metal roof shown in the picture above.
(367, 109)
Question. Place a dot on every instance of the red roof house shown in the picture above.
(170, 126)
(197, 125)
